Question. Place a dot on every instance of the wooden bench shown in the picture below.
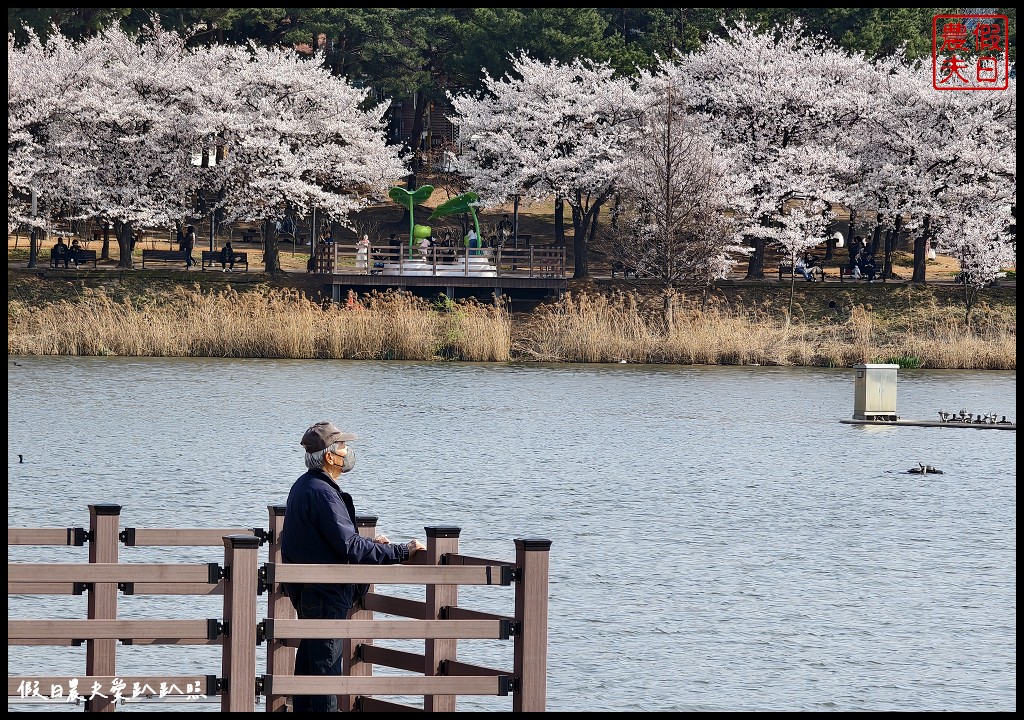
(622, 268)
(163, 256)
(212, 257)
(84, 256)
(844, 272)
(786, 270)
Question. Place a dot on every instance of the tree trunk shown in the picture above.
(579, 244)
(830, 243)
(891, 239)
(105, 249)
(755, 265)
(559, 222)
(668, 309)
(876, 237)
(271, 257)
(124, 234)
(920, 256)
(33, 248)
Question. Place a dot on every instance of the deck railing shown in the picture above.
(438, 620)
(540, 261)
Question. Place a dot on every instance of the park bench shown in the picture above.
(786, 270)
(623, 269)
(212, 257)
(844, 272)
(84, 256)
(176, 256)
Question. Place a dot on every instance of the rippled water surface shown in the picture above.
(720, 541)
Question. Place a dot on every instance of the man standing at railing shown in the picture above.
(320, 529)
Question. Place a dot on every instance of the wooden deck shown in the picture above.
(523, 273)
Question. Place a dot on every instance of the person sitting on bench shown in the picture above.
(227, 257)
(805, 266)
(74, 252)
(60, 253)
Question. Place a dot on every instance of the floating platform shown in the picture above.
(933, 423)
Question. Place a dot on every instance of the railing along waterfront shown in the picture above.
(438, 620)
(540, 261)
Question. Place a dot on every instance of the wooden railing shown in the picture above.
(438, 621)
(543, 261)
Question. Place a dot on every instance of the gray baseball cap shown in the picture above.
(323, 435)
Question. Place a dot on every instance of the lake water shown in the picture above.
(720, 541)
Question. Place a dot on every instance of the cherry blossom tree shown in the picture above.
(549, 128)
(40, 79)
(779, 105)
(120, 120)
(135, 130)
(671, 225)
(290, 135)
(947, 159)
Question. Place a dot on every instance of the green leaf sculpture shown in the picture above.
(408, 200)
(464, 203)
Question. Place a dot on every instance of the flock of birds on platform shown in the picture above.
(965, 417)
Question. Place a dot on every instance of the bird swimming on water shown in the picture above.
(21, 459)
(923, 469)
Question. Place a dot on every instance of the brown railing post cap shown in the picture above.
(533, 544)
(442, 531)
(241, 542)
(105, 509)
(366, 520)
(276, 509)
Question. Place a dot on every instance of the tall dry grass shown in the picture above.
(619, 327)
(278, 324)
(578, 328)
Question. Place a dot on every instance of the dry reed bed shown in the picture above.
(583, 328)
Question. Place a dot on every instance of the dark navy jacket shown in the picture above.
(320, 529)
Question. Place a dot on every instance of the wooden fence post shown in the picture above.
(101, 655)
(280, 657)
(440, 540)
(352, 664)
(238, 659)
(531, 641)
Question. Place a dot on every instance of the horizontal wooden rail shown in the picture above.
(455, 668)
(43, 588)
(179, 537)
(390, 574)
(145, 588)
(107, 572)
(459, 559)
(460, 613)
(135, 686)
(386, 685)
(278, 629)
(107, 629)
(402, 607)
(389, 657)
(45, 536)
